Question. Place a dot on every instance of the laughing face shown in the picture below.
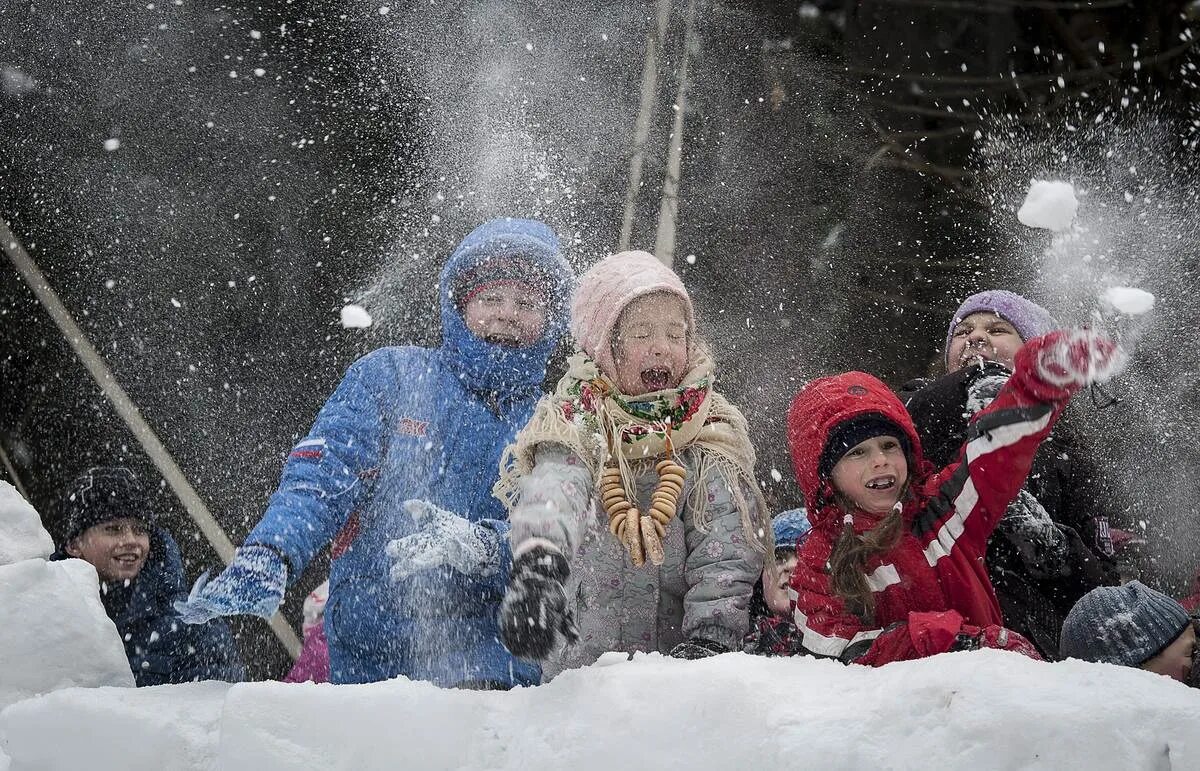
(506, 313)
(983, 335)
(872, 474)
(117, 548)
(650, 344)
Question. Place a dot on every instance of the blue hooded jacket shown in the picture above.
(410, 422)
(161, 648)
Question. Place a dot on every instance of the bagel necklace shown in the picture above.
(642, 533)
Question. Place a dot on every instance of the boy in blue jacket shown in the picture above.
(397, 471)
(111, 526)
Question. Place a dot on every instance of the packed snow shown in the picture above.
(1049, 205)
(23, 535)
(54, 632)
(1127, 300)
(355, 317)
(983, 709)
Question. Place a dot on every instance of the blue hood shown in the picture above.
(482, 366)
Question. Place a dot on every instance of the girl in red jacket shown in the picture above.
(893, 569)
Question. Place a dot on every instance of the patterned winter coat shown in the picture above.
(933, 584)
(409, 422)
(702, 589)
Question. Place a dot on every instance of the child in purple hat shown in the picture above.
(1054, 544)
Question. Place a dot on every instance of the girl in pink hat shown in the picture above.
(636, 520)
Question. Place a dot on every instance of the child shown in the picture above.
(772, 632)
(1053, 545)
(634, 509)
(313, 663)
(894, 568)
(110, 525)
(1132, 626)
(397, 470)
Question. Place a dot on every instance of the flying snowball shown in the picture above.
(112, 144)
(355, 317)
(1128, 300)
(1049, 205)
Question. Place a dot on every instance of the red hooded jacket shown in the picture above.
(933, 585)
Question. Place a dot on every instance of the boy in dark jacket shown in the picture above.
(1054, 543)
(141, 575)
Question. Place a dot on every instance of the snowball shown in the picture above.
(1128, 300)
(22, 536)
(1049, 205)
(112, 144)
(355, 317)
(54, 632)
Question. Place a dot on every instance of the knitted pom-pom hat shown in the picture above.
(605, 290)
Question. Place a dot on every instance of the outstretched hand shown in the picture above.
(534, 616)
(1079, 357)
(443, 539)
(253, 584)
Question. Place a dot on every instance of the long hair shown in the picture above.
(851, 552)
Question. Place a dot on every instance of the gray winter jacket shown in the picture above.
(702, 589)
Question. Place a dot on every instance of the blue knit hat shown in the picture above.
(1027, 317)
(791, 528)
(1127, 625)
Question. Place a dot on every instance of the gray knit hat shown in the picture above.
(1127, 625)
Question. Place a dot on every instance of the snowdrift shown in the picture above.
(983, 709)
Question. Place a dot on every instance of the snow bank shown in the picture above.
(983, 709)
(54, 632)
(170, 727)
(1049, 205)
(22, 536)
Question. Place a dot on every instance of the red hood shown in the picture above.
(820, 407)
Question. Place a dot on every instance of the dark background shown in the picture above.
(850, 174)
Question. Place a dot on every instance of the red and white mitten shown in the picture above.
(1079, 357)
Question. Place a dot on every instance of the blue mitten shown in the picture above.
(253, 584)
(443, 539)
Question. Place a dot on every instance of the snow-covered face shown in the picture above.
(1176, 659)
(872, 474)
(983, 335)
(650, 344)
(117, 548)
(775, 580)
(506, 313)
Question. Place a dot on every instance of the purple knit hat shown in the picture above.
(1030, 319)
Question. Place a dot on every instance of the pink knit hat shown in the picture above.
(605, 290)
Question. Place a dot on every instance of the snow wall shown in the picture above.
(983, 709)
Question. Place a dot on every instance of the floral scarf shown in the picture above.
(591, 417)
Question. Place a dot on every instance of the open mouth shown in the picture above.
(975, 356)
(656, 378)
(881, 483)
(499, 338)
(128, 560)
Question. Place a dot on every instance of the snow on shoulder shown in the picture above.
(983, 709)
(1049, 205)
